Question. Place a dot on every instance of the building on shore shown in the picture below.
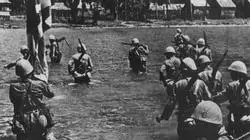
(196, 9)
(242, 8)
(5, 9)
(60, 11)
(165, 11)
(221, 9)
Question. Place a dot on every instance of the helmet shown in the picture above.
(189, 62)
(24, 47)
(201, 41)
(79, 47)
(52, 37)
(238, 66)
(178, 30)
(186, 38)
(208, 111)
(23, 67)
(135, 41)
(170, 49)
(203, 59)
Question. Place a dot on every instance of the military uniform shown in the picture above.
(26, 97)
(201, 49)
(178, 38)
(206, 52)
(25, 52)
(170, 69)
(187, 100)
(206, 76)
(54, 53)
(80, 67)
(239, 106)
(186, 50)
(187, 92)
(138, 57)
(238, 94)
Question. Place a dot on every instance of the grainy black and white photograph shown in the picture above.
(125, 70)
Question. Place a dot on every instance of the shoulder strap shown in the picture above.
(242, 86)
(29, 88)
(79, 59)
(191, 83)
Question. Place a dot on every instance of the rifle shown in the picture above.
(80, 44)
(67, 43)
(243, 136)
(215, 69)
(79, 59)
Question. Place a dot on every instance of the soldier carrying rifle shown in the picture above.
(55, 53)
(187, 92)
(26, 97)
(203, 49)
(178, 38)
(186, 48)
(24, 50)
(238, 94)
(170, 69)
(214, 82)
(80, 65)
(138, 56)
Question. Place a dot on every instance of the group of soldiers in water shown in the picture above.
(26, 95)
(187, 74)
(196, 87)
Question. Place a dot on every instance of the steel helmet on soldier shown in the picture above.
(82, 46)
(52, 37)
(135, 41)
(189, 62)
(201, 41)
(23, 67)
(238, 66)
(186, 38)
(178, 30)
(24, 48)
(170, 49)
(208, 111)
(203, 59)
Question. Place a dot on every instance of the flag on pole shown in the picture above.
(38, 21)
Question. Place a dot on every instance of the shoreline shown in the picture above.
(134, 26)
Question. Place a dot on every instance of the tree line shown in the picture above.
(119, 9)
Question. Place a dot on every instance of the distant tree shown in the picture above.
(127, 9)
(17, 6)
(112, 5)
(72, 4)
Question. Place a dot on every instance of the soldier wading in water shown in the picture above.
(26, 97)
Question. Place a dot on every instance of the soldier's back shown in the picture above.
(76, 56)
(17, 91)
